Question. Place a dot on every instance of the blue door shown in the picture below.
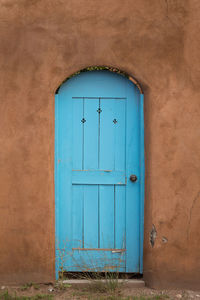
(99, 174)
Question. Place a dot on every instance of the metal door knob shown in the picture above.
(133, 178)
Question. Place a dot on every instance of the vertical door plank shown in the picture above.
(91, 132)
(77, 133)
(142, 179)
(120, 157)
(120, 217)
(119, 134)
(77, 216)
(132, 188)
(107, 145)
(106, 214)
(64, 161)
(90, 216)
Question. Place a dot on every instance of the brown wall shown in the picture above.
(44, 41)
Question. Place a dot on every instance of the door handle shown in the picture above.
(133, 178)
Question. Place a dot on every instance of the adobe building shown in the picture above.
(157, 43)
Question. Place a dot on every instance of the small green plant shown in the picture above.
(160, 297)
(91, 270)
(62, 286)
(112, 281)
(102, 282)
(26, 286)
(36, 286)
(61, 257)
(7, 296)
(30, 284)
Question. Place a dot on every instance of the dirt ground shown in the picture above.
(94, 291)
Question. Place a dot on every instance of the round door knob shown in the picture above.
(133, 178)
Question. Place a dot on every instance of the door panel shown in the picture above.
(91, 133)
(90, 233)
(112, 134)
(78, 134)
(120, 217)
(106, 212)
(77, 216)
(98, 147)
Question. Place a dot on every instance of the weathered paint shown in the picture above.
(99, 144)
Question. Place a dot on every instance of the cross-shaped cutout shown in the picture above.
(83, 120)
(99, 110)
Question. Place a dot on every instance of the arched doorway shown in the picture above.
(99, 174)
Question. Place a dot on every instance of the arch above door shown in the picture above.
(105, 68)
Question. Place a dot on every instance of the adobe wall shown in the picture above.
(44, 41)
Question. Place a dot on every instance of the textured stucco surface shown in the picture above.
(44, 41)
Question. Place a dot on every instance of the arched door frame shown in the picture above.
(100, 68)
(141, 142)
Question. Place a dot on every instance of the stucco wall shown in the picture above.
(44, 41)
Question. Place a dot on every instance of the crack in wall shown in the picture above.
(153, 235)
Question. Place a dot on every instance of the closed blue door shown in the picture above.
(99, 145)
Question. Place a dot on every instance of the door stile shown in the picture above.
(63, 177)
(132, 189)
(142, 179)
(56, 190)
